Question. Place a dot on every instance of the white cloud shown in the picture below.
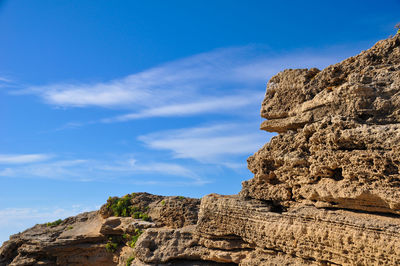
(172, 82)
(23, 158)
(129, 166)
(203, 83)
(210, 105)
(209, 144)
(5, 80)
(99, 170)
(8, 83)
(12, 215)
(62, 169)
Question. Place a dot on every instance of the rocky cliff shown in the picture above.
(326, 190)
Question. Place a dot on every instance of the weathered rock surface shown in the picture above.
(364, 87)
(340, 138)
(164, 211)
(336, 162)
(76, 241)
(326, 190)
(303, 236)
(83, 239)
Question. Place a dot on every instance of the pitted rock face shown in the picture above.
(334, 163)
(365, 87)
(339, 135)
(302, 236)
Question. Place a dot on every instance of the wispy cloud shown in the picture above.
(12, 215)
(5, 80)
(209, 144)
(212, 82)
(61, 169)
(230, 104)
(87, 170)
(131, 165)
(173, 82)
(8, 83)
(23, 158)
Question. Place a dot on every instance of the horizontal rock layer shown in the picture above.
(302, 236)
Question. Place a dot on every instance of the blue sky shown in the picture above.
(101, 98)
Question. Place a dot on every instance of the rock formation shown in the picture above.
(326, 190)
(97, 238)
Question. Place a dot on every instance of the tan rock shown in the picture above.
(163, 245)
(302, 236)
(76, 241)
(365, 87)
(82, 239)
(336, 161)
(173, 211)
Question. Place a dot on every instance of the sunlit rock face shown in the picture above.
(364, 88)
(339, 135)
(325, 191)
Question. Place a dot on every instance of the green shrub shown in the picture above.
(181, 197)
(112, 245)
(120, 206)
(163, 202)
(145, 217)
(141, 215)
(123, 207)
(70, 227)
(55, 223)
(134, 209)
(133, 238)
(130, 260)
(136, 215)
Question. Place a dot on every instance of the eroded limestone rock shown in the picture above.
(333, 163)
(302, 236)
(339, 135)
(365, 87)
(76, 241)
(83, 239)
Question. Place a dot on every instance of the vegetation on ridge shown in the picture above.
(55, 223)
(123, 207)
(130, 260)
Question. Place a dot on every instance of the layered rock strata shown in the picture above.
(326, 190)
